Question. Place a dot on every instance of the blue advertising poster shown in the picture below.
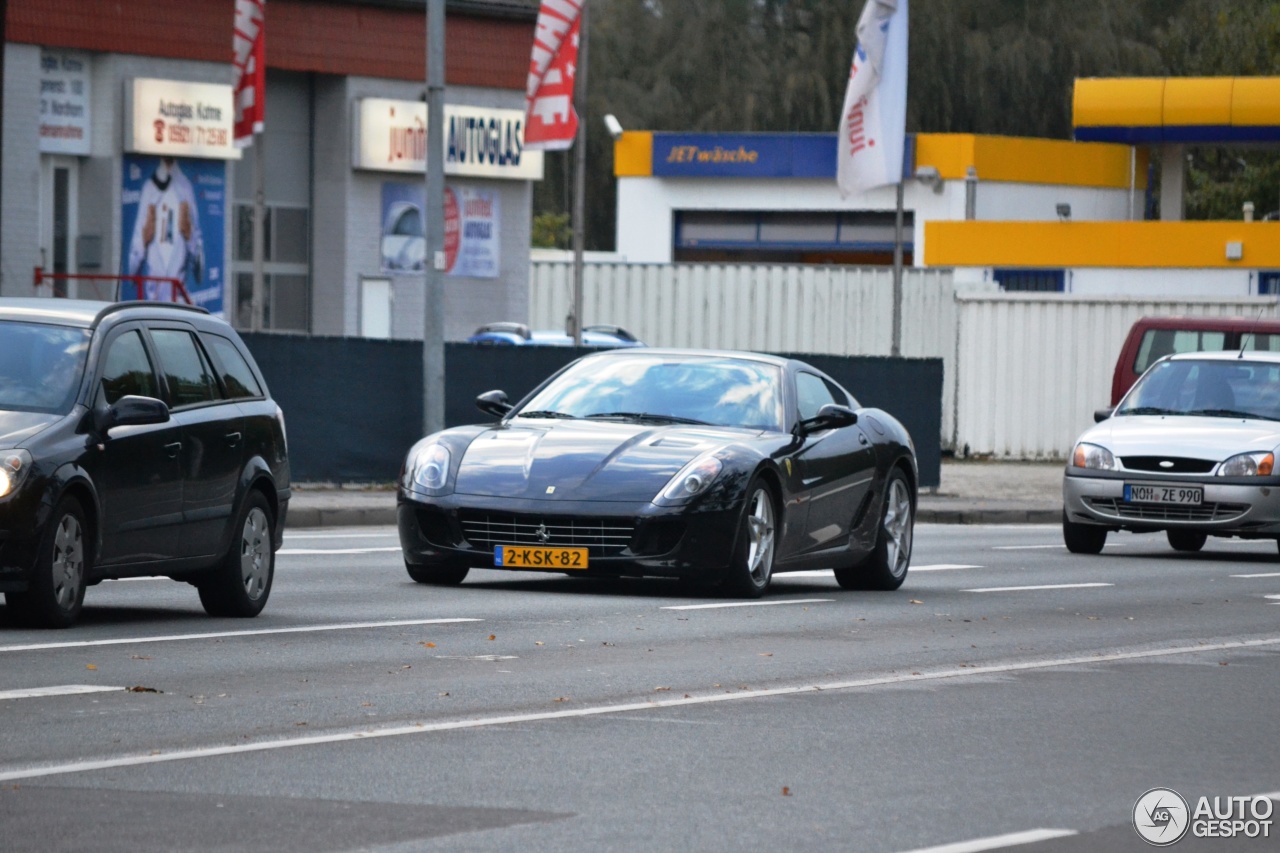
(471, 219)
(173, 215)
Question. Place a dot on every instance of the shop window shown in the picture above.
(286, 268)
(1268, 283)
(1032, 280)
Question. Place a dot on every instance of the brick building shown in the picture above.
(117, 157)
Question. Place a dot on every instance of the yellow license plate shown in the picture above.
(528, 557)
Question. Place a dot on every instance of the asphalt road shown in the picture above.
(1010, 692)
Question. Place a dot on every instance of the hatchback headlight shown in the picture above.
(15, 465)
(1088, 455)
(427, 469)
(693, 479)
(1259, 464)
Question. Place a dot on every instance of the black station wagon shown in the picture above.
(136, 439)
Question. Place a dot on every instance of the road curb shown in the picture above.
(339, 517)
(980, 515)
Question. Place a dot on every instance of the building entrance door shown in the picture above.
(59, 217)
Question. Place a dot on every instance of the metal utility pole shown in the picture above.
(258, 302)
(433, 220)
(579, 178)
(4, 35)
(896, 350)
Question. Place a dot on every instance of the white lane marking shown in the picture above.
(1262, 575)
(291, 552)
(169, 638)
(827, 573)
(1040, 586)
(601, 710)
(996, 842)
(147, 578)
(747, 604)
(56, 690)
(300, 535)
(811, 573)
(942, 567)
(1023, 547)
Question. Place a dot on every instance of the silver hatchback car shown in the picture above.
(1190, 450)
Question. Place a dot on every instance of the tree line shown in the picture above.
(976, 66)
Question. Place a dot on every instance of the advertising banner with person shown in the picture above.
(471, 234)
(173, 215)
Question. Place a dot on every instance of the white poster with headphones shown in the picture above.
(471, 218)
(177, 119)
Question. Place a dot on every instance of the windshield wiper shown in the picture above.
(1148, 410)
(1230, 413)
(647, 416)
(545, 413)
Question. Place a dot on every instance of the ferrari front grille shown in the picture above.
(603, 537)
(1168, 512)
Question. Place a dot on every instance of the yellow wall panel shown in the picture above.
(1030, 161)
(1118, 102)
(1100, 244)
(1197, 100)
(1255, 102)
(633, 154)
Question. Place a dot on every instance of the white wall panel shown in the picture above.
(1032, 368)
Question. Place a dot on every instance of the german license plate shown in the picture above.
(1150, 493)
(528, 557)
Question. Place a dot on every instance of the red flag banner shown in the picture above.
(550, 119)
(249, 55)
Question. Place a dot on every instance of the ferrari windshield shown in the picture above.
(1226, 388)
(40, 366)
(717, 390)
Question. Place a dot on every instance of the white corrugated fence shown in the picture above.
(1022, 372)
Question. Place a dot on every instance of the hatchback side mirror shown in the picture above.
(131, 410)
(1102, 414)
(494, 403)
(830, 416)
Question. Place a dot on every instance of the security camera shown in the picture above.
(930, 177)
(1064, 212)
(611, 122)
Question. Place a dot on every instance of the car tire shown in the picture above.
(56, 593)
(1083, 538)
(1186, 540)
(241, 583)
(751, 565)
(886, 567)
(437, 575)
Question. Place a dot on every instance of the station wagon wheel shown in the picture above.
(241, 583)
(56, 593)
(886, 567)
(752, 562)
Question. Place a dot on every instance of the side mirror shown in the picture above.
(830, 416)
(131, 410)
(494, 403)
(1102, 414)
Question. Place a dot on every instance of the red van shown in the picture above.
(1152, 338)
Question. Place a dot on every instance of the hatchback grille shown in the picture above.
(1176, 464)
(1168, 512)
(603, 537)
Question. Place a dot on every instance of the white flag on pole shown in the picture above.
(873, 122)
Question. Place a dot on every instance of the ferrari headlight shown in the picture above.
(1088, 455)
(428, 469)
(693, 479)
(14, 467)
(1259, 464)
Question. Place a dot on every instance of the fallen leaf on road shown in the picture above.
(661, 689)
(406, 666)
(493, 636)
(786, 792)
(538, 643)
(606, 644)
(915, 601)
(91, 666)
(366, 704)
(562, 699)
(428, 645)
(303, 723)
(140, 657)
(686, 695)
(141, 689)
(1222, 663)
(446, 693)
(766, 654)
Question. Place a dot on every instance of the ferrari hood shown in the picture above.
(1187, 436)
(16, 427)
(580, 460)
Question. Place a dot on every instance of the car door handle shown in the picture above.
(173, 447)
(233, 438)
(862, 439)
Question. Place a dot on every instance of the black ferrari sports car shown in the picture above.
(719, 468)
